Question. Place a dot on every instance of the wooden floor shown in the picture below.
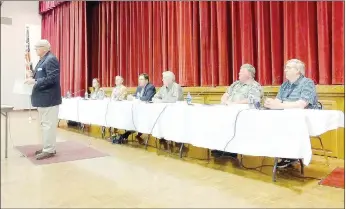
(134, 177)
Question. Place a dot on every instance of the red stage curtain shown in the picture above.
(45, 6)
(205, 43)
(65, 28)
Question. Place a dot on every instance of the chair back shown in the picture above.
(319, 105)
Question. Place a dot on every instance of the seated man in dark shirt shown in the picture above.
(145, 92)
(297, 92)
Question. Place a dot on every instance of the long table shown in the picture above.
(5, 109)
(236, 128)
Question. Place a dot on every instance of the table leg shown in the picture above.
(6, 135)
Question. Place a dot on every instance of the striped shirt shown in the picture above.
(302, 89)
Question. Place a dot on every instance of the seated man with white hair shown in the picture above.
(170, 92)
(297, 92)
(120, 91)
(241, 91)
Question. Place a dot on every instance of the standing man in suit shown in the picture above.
(144, 92)
(46, 96)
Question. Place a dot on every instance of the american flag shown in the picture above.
(27, 51)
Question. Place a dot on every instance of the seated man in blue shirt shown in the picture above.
(297, 92)
(145, 92)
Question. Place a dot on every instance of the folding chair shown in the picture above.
(320, 107)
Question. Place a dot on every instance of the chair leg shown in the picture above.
(241, 161)
(82, 126)
(132, 137)
(275, 168)
(103, 132)
(324, 151)
(181, 150)
(110, 131)
(146, 142)
(301, 167)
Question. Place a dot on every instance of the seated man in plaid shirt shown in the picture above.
(297, 92)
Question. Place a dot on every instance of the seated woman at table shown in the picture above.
(240, 92)
(119, 92)
(297, 92)
(98, 92)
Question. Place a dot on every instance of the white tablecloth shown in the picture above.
(271, 133)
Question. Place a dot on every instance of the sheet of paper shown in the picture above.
(21, 88)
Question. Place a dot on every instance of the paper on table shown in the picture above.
(21, 88)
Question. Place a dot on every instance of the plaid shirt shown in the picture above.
(239, 91)
(302, 89)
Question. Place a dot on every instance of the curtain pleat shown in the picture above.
(203, 43)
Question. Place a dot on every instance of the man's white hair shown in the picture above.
(119, 77)
(168, 74)
(298, 64)
(44, 44)
(249, 68)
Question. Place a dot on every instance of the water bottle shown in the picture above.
(188, 98)
(68, 94)
(251, 101)
(86, 95)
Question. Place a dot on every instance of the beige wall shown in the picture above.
(13, 48)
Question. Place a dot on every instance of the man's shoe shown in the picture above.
(164, 143)
(139, 139)
(116, 139)
(229, 154)
(286, 162)
(216, 153)
(40, 151)
(120, 140)
(45, 155)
